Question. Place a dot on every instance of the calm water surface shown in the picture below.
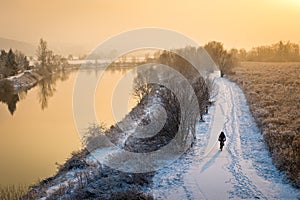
(37, 127)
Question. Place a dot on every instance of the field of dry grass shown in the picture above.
(12, 192)
(273, 93)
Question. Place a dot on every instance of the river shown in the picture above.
(37, 128)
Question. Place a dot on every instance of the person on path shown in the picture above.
(222, 139)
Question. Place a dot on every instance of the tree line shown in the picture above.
(228, 59)
(278, 52)
(15, 62)
(12, 63)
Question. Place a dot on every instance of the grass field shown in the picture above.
(273, 93)
(12, 192)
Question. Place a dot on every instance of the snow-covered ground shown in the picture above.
(24, 80)
(15, 76)
(243, 170)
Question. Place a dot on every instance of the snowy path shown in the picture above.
(243, 170)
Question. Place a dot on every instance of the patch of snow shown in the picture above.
(15, 77)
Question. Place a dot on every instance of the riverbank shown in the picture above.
(12, 86)
(23, 81)
(83, 176)
(121, 161)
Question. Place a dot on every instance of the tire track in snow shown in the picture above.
(243, 186)
(256, 169)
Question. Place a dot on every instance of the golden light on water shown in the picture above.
(112, 97)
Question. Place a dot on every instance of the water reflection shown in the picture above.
(46, 89)
(7, 96)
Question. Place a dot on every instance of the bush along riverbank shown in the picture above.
(163, 115)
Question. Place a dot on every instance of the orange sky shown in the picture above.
(236, 23)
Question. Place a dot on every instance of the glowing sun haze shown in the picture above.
(236, 23)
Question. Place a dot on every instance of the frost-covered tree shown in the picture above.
(225, 60)
(21, 60)
(42, 55)
(11, 67)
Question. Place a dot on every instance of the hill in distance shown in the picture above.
(30, 49)
(26, 48)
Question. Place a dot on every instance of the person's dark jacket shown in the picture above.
(222, 137)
